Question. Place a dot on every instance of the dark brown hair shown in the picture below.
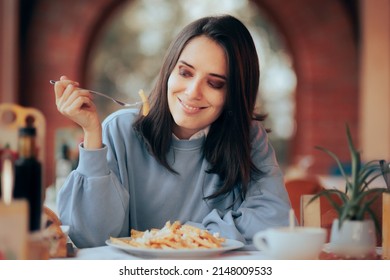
(227, 147)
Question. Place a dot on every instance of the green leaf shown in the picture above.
(368, 170)
(369, 182)
(355, 162)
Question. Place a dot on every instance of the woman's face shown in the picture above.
(197, 86)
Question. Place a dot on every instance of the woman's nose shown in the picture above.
(194, 90)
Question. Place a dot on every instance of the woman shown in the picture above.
(201, 155)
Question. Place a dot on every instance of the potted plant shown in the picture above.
(353, 233)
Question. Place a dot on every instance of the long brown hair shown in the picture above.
(227, 147)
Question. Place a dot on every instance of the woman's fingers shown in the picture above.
(71, 93)
(67, 91)
(60, 86)
(82, 111)
(74, 104)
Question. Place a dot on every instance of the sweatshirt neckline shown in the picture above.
(188, 144)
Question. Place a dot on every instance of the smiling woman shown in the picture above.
(201, 156)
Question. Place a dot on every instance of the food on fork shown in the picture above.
(172, 236)
(145, 106)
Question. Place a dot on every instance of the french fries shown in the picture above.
(172, 236)
(145, 106)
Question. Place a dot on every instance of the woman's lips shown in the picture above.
(188, 108)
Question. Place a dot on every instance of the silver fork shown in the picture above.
(124, 104)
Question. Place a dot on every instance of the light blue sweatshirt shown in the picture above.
(122, 186)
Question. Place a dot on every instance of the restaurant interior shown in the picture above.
(336, 67)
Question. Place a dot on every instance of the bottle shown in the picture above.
(28, 175)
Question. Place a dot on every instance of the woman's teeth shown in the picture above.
(190, 107)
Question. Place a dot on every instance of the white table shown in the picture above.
(111, 253)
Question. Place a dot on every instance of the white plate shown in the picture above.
(228, 245)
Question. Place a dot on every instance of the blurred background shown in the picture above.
(324, 64)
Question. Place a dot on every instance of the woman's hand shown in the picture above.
(77, 105)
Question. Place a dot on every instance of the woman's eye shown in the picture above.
(216, 84)
(184, 73)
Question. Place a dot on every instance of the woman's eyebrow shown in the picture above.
(212, 74)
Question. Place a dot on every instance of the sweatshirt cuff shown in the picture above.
(93, 163)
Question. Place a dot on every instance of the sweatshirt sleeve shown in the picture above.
(93, 202)
(266, 203)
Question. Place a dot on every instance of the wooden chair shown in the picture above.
(298, 187)
(320, 213)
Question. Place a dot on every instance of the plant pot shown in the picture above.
(355, 239)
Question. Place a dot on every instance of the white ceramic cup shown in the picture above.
(285, 243)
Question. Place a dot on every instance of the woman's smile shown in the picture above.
(190, 109)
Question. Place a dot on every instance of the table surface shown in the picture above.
(246, 253)
(111, 253)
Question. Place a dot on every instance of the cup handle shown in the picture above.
(260, 240)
